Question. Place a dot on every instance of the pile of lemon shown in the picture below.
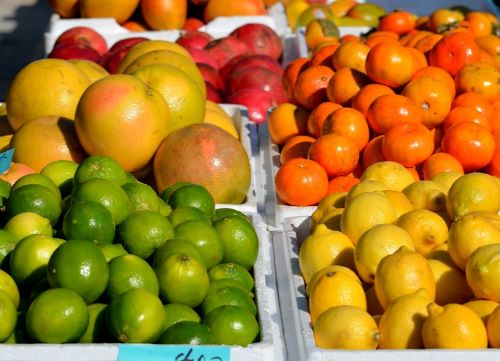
(397, 263)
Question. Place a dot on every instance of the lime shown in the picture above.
(61, 172)
(204, 236)
(28, 223)
(7, 243)
(143, 232)
(183, 279)
(227, 295)
(89, 221)
(8, 285)
(185, 213)
(193, 195)
(8, 315)
(58, 315)
(105, 192)
(4, 191)
(79, 266)
(131, 178)
(177, 312)
(232, 325)
(111, 251)
(34, 198)
(41, 286)
(96, 328)
(228, 282)
(187, 333)
(136, 316)
(223, 212)
(20, 334)
(232, 271)
(142, 197)
(97, 166)
(130, 271)
(164, 208)
(241, 244)
(29, 260)
(36, 178)
(167, 192)
(176, 246)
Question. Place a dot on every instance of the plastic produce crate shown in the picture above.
(296, 319)
(270, 346)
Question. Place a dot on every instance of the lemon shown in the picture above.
(493, 328)
(399, 201)
(427, 194)
(446, 178)
(365, 186)
(223, 121)
(331, 219)
(391, 174)
(327, 269)
(483, 272)
(483, 308)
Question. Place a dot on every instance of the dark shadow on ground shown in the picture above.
(24, 43)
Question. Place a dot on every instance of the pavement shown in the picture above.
(22, 25)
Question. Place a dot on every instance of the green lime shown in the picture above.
(58, 315)
(232, 325)
(142, 197)
(96, 328)
(228, 282)
(177, 246)
(167, 192)
(232, 271)
(8, 285)
(65, 204)
(97, 166)
(183, 279)
(164, 208)
(20, 334)
(177, 312)
(7, 243)
(29, 260)
(131, 178)
(105, 192)
(204, 236)
(241, 244)
(193, 195)
(227, 295)
(36, 178)
(136, 316)
(79, 266)
(89, 221)
(130, 271)
(143, 232)
(61, 172)
(4, 191)
(185, 213)
(111, 251)
(8, 315)
(40, 287)
(223, 212)
(34, 198)
(187, 333)
(28, 223)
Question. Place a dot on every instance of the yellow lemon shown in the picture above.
(373, 305)
(399, 201)
(391, 174)
(483, 308)
(346, 327)
(327, 204)
(325, 270)
(401, 324)
(223, 121)
(483, 272)
(322, 248)
(427, 194)
(453, 326)
(403, 273)
(364, 187)
(446, 178)
(490, 216)
(493, 328)
(427, 229)
(211, 105)
(376, 243)
(332, 219)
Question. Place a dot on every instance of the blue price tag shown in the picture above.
(6, 159)
(145, 352)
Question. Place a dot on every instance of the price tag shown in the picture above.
(6, 159)
(145, 352)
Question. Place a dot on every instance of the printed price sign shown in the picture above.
(173, 353)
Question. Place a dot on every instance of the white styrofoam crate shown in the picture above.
(270, 346)
(296, 318)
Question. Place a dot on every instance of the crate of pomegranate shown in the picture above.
(429, 105)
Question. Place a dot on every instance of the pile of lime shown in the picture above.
(89, 254)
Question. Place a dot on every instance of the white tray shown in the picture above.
(296, 318)
(270, 346)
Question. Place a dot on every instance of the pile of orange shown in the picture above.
(420, 91)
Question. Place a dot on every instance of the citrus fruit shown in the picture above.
(142, 196)
(221, 120)
(331, 268)
(58, 315)
(182, 214)
(29, 260)
(61, 172)
(204, 236)
(225, 211)
(130, 271)
(232, 325)
(391, 174)
(8, 315)
(193, 195)
(79, 266)
(34, 198)
(187, 333)
(229, 282)
(96, 328)
(91, 221)
(177, 246)
(4, 191)
(8, 285)
(346, 327)
(177, 312)
(232, 271)
(92, 70)
(227, 295)
(112, 250)
(447, 178)
(167, 192)
(483, 270)
(239, 239)
(7, 243)
(183, 279)
(96, 166)
(36, 178)
(483, 308)
(492, 327)
(427, 194)
(107, 193)
(164, 208)
(364, 186)
(143, 232)
(136, 316)
(24, 224)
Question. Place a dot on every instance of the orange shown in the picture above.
(337, 154)
(367, 95)
(110, 9)
(285, 121)
(344, 85)
(350, 123)
(478, 102)
(311, 84)
(373, 152)
(318, 116)
(478, 23)
(440, 162)
(341, 183)
(462, 113)
(390, 64)
(399, 22)
(442, 17)
(164, 15)
(240, 8)
(296, 147)
(437, 74)
(479, 77)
